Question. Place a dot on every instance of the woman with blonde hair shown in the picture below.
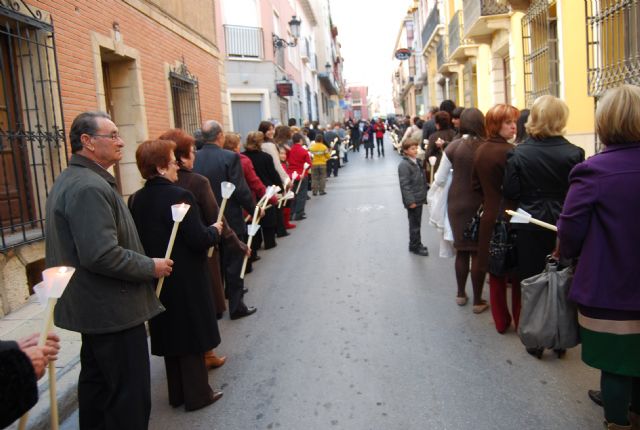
(537, 179)
(487, 176)
(599, 226)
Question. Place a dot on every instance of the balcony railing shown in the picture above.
(476, 9)
(430, 26)
(440, 50)
(244, 42)
(455, 32)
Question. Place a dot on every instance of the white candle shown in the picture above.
(178, 213)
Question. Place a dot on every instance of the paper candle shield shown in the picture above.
(179, 211)
(432, 160)
(227, 188)
(305, 166)
(55, 280)
(294, 175)
(252, 229)
(41, 293)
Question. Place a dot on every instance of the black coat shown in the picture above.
(18, 383)
(536, 176)
(219, 165)
(188, 326)
(264, 167)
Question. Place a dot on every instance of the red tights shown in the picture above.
(498, 300)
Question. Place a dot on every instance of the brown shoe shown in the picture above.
(478, 309)
(212, 361)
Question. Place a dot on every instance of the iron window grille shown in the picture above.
(613, 44)
(185, 98)
(540, 47)
(33, 151)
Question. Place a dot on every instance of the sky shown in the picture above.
(367, 31)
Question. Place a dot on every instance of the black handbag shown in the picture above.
(472, 229)
(502, 252)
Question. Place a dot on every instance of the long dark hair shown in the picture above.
(472, 123)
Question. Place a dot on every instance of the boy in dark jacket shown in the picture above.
(414, 194)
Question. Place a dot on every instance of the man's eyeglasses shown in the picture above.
(113, 136)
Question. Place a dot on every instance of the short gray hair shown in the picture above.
(211, 130)
(85, 123)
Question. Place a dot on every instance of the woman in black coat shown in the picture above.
(188, 327)
(537, 177)
(266, 171)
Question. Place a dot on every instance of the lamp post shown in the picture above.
(294, 28)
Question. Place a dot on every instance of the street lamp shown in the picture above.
(294, 28)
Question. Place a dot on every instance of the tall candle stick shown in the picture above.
(252, 230)
(178, 213)
(227, 188)
(432, 163)
(304, 169)
(55, 280)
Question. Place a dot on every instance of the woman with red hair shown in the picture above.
(487, 176)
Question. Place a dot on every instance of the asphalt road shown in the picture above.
(353, 332)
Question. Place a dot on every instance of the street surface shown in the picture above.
(354, 332)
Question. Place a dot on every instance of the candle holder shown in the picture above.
(226, 188)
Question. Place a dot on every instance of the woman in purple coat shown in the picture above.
(599, 225)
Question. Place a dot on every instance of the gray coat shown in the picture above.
(90, 228)
(412, 182)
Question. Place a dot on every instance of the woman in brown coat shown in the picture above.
(185, 153)
(463, 202)
(488, 175)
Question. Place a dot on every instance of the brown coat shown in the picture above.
(487, 177)
(463, 201)
(201, 189)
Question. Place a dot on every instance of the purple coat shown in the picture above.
(600, 224)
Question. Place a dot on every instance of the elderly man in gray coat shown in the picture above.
(111, 294)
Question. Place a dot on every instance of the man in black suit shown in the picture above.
(220, 165)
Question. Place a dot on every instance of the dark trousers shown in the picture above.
(379, 146)
(280, 228)
(367, 148)
(300, 200)
(332, 167)
(415, 221)
(233, 285)
(188, 381)
(114, 385)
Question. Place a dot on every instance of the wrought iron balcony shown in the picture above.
(244, 42)
(478, 12)
(433, 20)
(456, 38)
(440, 50)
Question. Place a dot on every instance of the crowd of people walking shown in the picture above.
(507, 160)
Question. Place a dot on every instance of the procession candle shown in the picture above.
(178, 213)
(251, 230)
(227, 188)
(304, 168)
(522, 217)
(55, 280)
(432, 163)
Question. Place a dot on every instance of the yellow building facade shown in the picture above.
(482, 52)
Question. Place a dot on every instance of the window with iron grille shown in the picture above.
(540, 47)
(184, 95)
(32, 143)
(613, 44)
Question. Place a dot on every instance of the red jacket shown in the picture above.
(379, 128)
(296, 158)
(255, 184)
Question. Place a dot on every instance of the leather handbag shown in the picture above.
(547, 318)
(500, 249)
(472, 229)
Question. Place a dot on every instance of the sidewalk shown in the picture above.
(25, 321)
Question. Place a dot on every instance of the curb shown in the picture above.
(67, 394)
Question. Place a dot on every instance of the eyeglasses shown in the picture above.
(113, 136)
